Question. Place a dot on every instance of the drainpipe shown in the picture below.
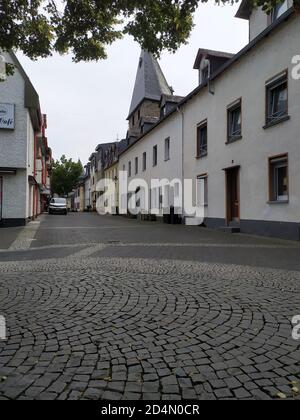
(182, 159)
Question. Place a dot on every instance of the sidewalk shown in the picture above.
(8, 236)
(20, 237)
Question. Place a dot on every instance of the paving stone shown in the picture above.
(162, 319)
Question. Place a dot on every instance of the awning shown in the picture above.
(32, 180)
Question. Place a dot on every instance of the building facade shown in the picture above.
(235, 135)
(25, 158)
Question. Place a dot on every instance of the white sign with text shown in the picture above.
(7, 116)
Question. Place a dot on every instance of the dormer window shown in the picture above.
(279, 10)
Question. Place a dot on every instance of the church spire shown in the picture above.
(150, 85)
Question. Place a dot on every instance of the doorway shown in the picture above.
(233, 195)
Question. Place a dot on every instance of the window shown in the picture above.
(279, 179)
(155, 156)
(202, 194)
(234, 121)
(202, 140)
(279, 10)
(167, 149)
(133, 120)
(144, 161)
(277, 99)
(129, 169)
(136, 166)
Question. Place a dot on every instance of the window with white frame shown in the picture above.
(277, 99)
(136, 165)
(279, 178)
(202, 193)
(202, 140)
(129, 169)
(234, 121)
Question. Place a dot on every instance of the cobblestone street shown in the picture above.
(112, 308)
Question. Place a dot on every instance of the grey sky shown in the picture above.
(87, 103)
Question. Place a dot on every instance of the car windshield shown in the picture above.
(58, 201)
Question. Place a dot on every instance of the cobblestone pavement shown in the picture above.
(90, 322)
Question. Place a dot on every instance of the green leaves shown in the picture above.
(65, 176)
(86, 27)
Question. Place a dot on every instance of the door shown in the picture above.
(233, 195)
(1, 197)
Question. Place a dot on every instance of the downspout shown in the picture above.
(182, 161)
(209, 79)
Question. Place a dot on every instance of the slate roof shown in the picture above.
(150, 82)
(245, 9)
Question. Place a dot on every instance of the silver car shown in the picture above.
(58, 206)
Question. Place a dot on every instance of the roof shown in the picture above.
(245, 9)
(210, 53)
(150, 82)
(122, 145)
(265, 34)
(104, 146)
(171, 99)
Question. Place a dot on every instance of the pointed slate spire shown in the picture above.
(150, 82)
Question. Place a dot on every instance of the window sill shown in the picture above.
(277, 121)
(201, 157)
(167, 160)
(279, 202)
(234, 139)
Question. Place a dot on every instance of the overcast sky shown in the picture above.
(87, 103)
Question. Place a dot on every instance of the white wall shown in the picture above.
(171, 169)
(14, 196)
(17, 150)
(13, 143)
(247, 79)
(259, 21)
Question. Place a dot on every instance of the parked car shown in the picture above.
(58, 206)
